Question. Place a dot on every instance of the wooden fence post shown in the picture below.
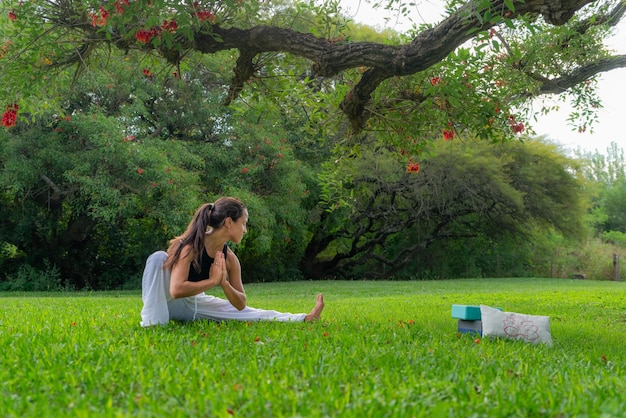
(616, 269)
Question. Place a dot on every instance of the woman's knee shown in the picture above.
(157, 257)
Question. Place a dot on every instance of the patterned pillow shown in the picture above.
(530, 328)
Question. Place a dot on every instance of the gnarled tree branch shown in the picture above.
(330, 58)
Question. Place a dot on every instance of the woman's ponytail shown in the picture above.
(208, 217)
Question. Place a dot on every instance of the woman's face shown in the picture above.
(239, 228)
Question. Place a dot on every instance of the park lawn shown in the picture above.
(382, 349)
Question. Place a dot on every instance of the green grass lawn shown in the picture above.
(382, 349)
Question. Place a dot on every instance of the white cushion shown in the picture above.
(530, 328)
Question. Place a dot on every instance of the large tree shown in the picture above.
(535, 48)
(463, 194)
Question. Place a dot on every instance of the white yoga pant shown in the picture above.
(159, 306)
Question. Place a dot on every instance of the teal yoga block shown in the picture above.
(466, 312)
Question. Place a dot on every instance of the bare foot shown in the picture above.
(314, 315)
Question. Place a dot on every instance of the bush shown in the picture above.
(614, 237)
(29, 278)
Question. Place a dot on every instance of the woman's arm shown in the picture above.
(180, 287)
(233, 287)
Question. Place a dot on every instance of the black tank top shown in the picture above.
(205, 266)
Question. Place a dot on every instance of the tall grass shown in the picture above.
(382, 349)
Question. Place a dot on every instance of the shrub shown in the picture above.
(29, 278)
(614, 237)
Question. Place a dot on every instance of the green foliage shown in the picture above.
(595, 260)
(604, 168)
(387, 349)
(77, 187)
(28, 278)
(552, 194)
(553, 256)
(483, 83)
(614, 204)
(106, 178)
(492, 199)
(606, 187)
(124, 168)
(82, 189)
(615, 237)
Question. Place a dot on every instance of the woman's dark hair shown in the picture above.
(209, 215)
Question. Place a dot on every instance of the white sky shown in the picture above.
(612, 85)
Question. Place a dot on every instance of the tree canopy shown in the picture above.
(497, 54)
(478, 193)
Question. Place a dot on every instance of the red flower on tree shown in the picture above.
(99, 19)
(412, 167)
(12, 15)
(203, 15)
(206, 16)
(4, 48)
(448, 134)
(146, 36)
(169, 25)
(516, 127)
(9, 117)
(119, 6)
(147, 72)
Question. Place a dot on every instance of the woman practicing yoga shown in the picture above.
(174, 282)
